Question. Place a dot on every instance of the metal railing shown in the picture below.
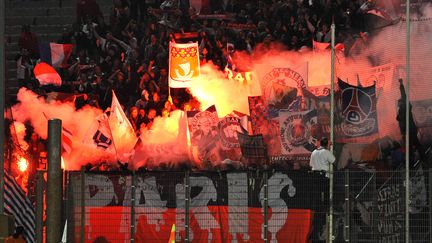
(264, 206)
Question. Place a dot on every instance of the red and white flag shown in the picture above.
(55, 54)
(47, 74)
(67, 140)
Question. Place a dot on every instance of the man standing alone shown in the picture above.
(321, 157)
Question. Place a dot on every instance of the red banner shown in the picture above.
(113, 223)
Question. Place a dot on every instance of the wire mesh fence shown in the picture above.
(247, 206)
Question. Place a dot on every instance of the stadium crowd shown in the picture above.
(128, 52)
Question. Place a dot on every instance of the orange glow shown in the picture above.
(22, 164)
(62, 163)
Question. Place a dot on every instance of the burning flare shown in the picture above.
(22, 164)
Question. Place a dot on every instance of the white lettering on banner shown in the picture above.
(152, 206)
(99, 192)
(390, 208)
(237, 203)
(198, 206)
(241, 77)
(279, 208)
(180, 212)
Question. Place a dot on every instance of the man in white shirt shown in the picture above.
(321, 157)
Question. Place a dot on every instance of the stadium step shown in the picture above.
(47, 18)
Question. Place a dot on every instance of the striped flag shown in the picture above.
(66, 137)
(55, 54)
(67, 140)
(47, 75)
(17, 204)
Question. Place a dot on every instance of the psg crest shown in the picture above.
(358, 106)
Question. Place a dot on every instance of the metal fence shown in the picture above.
(245, 206)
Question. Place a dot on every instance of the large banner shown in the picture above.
(184, 64)
(298, 133)
(422, 113)
(262, 124)
(224, 207)
(228, 127)
(357, 114)
(204, 135)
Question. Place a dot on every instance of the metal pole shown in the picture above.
(330, 218)
(133, 208)
(347, 207)
(407, 119)
(54, 185)
(39, 205)
(187, 206)
(82, 223)
(430, 203)
(2, 101)
(265, 206)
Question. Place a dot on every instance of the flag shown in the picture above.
(172, 234)
(183, 64)
(122, 132)
(297, 134)
(358, 114)
(99, 134)
(227, 129)
(262, 124)
(203, 128)
(252, 147)
(320, 46)
(55, 54)
(47, 74)
(67, 140)
(17, 204)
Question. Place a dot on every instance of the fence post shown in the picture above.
(187, 206)
(347, 221)
(265, 206)
(39, 206)
(82, 223)
(132, 240)
(54, 185)
(430, 203)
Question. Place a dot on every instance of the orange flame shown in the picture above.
(62, 163)
(22, 164)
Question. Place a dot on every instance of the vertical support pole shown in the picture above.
(82, 223)
(332, 103)
(407, 120)
(430, 203)
(2, 101)
(132, 216)
(39, 205)
(187, 205)
(54, 185)
(347, 223)
(265, 206)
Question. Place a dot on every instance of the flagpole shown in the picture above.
(2, 102)
(330, 233)
(407, 120)
(109, 126)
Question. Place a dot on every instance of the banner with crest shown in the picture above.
(298, 133)
(228, 128)
(204, 135)
(281, 86)
(184, 64)
(357, 122)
